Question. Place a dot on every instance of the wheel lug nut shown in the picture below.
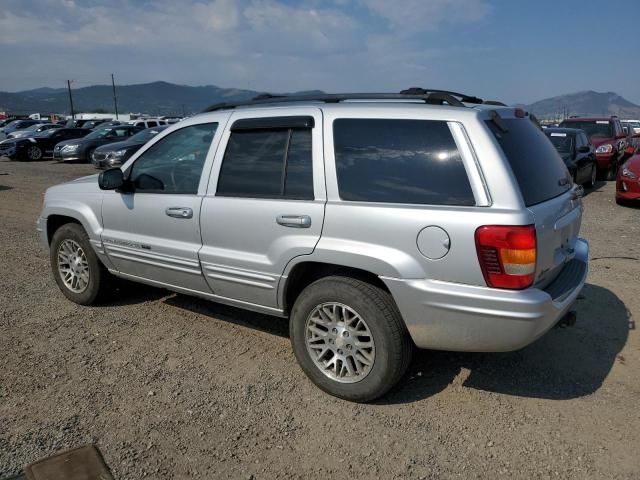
(349, 347)
(340, 352)
(345, 334)
(334, 330)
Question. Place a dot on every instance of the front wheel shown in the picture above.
(612, 171)
(76, 267)
(34, 153)
(591, 183)
(349, 338)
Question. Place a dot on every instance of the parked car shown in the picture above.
(33, 130)
(577, 153)
(41, 146)
(115, 154)
(95, 124)
(15, 126)
(82, 149)
(608, 138)
(628, 181)
(634, 124)
(148, 122)
(373, 226)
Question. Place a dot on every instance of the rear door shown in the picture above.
(547, 191)
(265, 202)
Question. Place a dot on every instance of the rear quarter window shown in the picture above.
(539, 170)
(399, 161)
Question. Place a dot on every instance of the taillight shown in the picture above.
(507, 255)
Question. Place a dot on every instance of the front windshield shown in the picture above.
(562, 141)
(146, 135)
(596, 128)
(101, 133)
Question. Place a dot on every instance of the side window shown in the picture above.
(174, 164)
(152, 124)
(268, 163)
(578, 141)
(399, 161)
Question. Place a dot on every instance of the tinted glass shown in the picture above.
(253, 164)
(399, 161)
(593, 129)
(561, 141)
(146, 135)
(539, 170)
(174, 164)
(299, 175)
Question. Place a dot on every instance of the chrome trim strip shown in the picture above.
(153, 256)
(241, 273)
(242, 281)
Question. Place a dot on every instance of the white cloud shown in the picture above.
(419, 15)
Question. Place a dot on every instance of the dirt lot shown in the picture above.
(171, 387)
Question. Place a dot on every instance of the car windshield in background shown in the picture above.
(146, 135)
(103, 132)
(597, 128)
(537, 166)
(562, 141)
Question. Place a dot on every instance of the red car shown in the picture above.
(607, 137)
(628, 182)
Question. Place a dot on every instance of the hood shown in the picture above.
(633, 164)
(83, 185)
(111, 147)
(73, 141)
(597, 141)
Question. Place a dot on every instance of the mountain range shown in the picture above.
(163, 98)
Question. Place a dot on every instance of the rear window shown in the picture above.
(399, 161)
(540, 172)
(596, 128)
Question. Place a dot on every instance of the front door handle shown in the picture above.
(179, 212)
(295, 221)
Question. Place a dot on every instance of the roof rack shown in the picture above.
(433, 97)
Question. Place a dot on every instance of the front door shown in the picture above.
(265, 202)
(152, 230)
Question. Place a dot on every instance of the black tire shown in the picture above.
(89, 155)
(97, 272)
(393, 346)
(612, 172)
(593, 175)
(34, 153)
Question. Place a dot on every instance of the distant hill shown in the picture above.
(157, 98)
(585, 103)
(163, 98)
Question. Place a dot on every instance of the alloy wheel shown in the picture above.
(73, 266)
(340, 342)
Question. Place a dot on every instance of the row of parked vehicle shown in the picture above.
(105, 143)
(600, 147)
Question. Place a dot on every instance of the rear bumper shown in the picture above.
(450, 316)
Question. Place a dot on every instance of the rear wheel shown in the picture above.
(76, 267)
(349, 338)
(89, 155)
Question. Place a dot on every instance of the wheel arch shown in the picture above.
(304, 272)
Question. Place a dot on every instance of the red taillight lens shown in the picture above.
(507, 255)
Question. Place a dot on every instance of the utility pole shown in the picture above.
(115, 99)
(73, 115)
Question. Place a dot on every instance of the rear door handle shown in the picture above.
(295, 221)
(179, 212)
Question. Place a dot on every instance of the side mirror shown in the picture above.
(583, 149)
(111, 179)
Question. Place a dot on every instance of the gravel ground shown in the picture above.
(172, 387)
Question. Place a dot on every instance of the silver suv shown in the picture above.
(374, 222)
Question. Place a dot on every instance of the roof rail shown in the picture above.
(434, 97)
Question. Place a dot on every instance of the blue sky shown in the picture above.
(515, 51)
